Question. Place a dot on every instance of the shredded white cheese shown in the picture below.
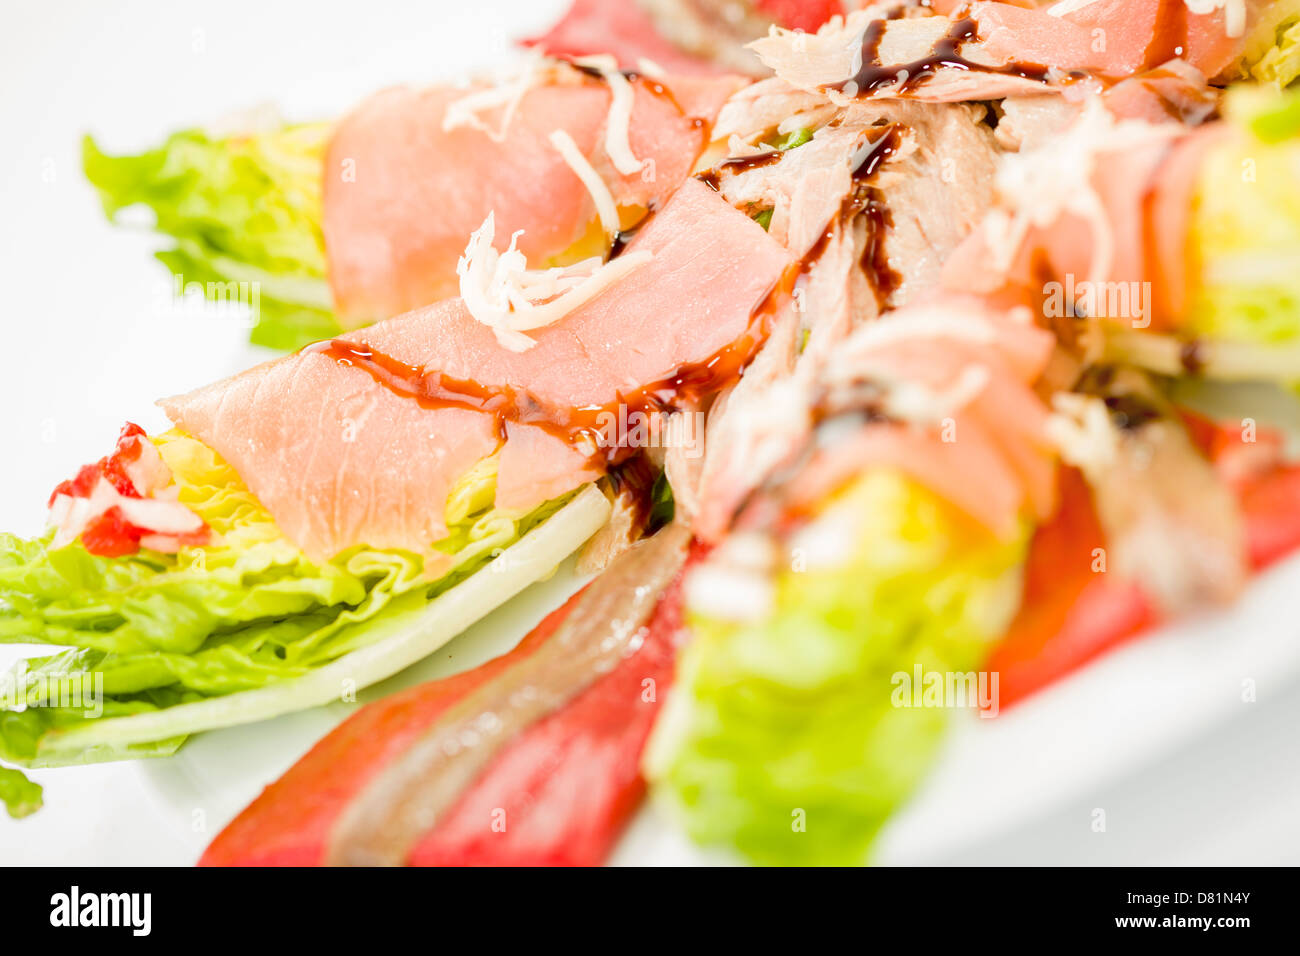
(500, 291)
(582, 168)
(618, 124)
(650, 68)
(505, 95)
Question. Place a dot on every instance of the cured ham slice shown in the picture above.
(1119, 225)
(403, 193)
(360, 440)
(1208, 34)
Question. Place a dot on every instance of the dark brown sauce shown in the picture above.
(710, 178)
(584, 428)
(652, 86)
(815, 253)
(737, 165)
(1190, 357)
(621, 239)
(868, 201)
(881, 148)
(875, 261)
(630, 75)
(1131, 411)
(946, 52)
(635, 478)
(742, 164)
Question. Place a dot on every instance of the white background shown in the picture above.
(1157, 735)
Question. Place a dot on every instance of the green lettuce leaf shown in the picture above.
(149, 633)
(20, 796)
(781, 737)
(1244, 236)
(1272, 51)
(242, 209)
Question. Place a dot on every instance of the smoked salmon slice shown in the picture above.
(341, 455)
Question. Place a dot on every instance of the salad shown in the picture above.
(876, 361)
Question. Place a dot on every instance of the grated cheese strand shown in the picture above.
(501, 292)
(618, 124)
(509, 93)
(582, 168)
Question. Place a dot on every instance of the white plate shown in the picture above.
(1157, 735)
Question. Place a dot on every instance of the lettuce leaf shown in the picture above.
(1244, 236)
(1272, 51)
(242, 209)
(781, 737)
(150, 633)
(20, 796)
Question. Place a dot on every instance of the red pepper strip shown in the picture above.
(111, 467)
(1270, 501)
(562, 791)
(1071, 614)
(1270, 505)
(289, 823)
(111, 535)
(566, 785)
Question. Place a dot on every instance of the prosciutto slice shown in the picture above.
(403, 193)
(342, 452)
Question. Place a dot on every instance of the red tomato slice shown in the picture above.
(1070, 614)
